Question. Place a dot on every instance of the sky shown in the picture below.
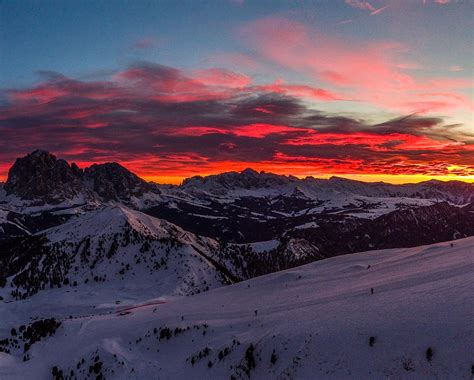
(371, 90)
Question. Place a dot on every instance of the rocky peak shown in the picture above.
(246, 179)
(40, 175)
(249, 172)
(111, 181)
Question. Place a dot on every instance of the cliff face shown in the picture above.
(111, 181)
(40, 175)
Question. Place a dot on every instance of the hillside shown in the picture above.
(113, 245)
(320, 320)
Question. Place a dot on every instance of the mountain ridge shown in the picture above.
(108, 244)
(112, 181)
(297, 221)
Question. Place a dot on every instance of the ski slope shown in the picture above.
(311, 322)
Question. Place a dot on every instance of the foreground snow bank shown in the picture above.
(397, 314)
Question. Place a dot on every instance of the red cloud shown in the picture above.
(39, 94)
(300, 91)
(253, 130)
(221, 78)
(157, 119)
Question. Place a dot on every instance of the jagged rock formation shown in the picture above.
(111, 181)
(40, 175)
(247, 179)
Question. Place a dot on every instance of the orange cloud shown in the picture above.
(157, 119)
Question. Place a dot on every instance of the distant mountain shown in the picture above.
(247, 179)
(259, 222)
(41, 177)
(267, 184)
(111, 181)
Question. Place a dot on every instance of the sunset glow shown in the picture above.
(243, 189)
(344, 92)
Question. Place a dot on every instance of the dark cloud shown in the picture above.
(160, 118)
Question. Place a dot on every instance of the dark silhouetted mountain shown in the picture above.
(40, 175)
(247, 179)
(111, 181)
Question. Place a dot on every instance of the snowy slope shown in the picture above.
(311, 322)
(113, 244)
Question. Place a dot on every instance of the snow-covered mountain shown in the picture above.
(111, 244)
(390, 314)
(251, 183)
(297, 221)
(249, 207)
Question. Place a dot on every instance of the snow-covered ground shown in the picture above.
(307, 225)
(319, 321)
(117, 250)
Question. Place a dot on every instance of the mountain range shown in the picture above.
(240, 225)
(82, 249)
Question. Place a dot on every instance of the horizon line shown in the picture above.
(392, 179)
(177, 180)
